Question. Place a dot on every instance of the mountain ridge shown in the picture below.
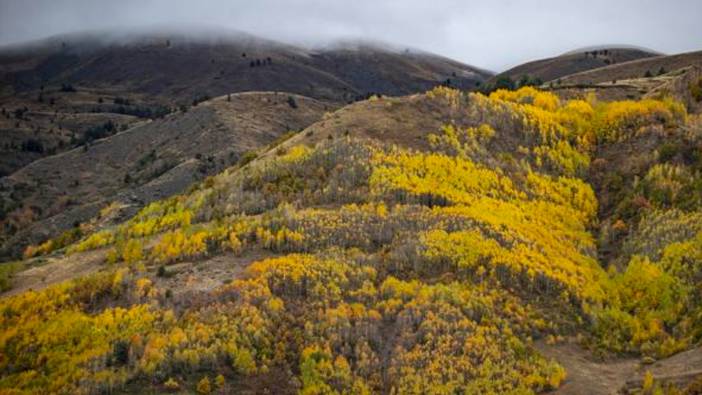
(559, 66)
(383, 227)
(235, 45)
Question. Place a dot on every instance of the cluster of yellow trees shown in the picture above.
(397, 270)
(51, 342)
(65, 239)
(325, 316)
(656, 307)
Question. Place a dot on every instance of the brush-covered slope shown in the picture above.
(56, 119)
(570, 63)
(380, 252)
(151, 161)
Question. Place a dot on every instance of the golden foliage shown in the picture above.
(410, 272)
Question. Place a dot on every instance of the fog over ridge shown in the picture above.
(488, 34)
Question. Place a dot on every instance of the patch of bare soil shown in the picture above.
(679, 370)
(56, 270)
(206, 275)
(588, 375)
(189, 277)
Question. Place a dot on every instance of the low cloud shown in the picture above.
(489, 34)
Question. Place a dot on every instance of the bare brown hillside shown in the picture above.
(634, 69)
(571, 63)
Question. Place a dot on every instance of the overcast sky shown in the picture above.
(492, 34)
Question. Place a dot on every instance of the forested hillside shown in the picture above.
(425, 254)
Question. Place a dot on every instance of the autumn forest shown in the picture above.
(360, 263)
